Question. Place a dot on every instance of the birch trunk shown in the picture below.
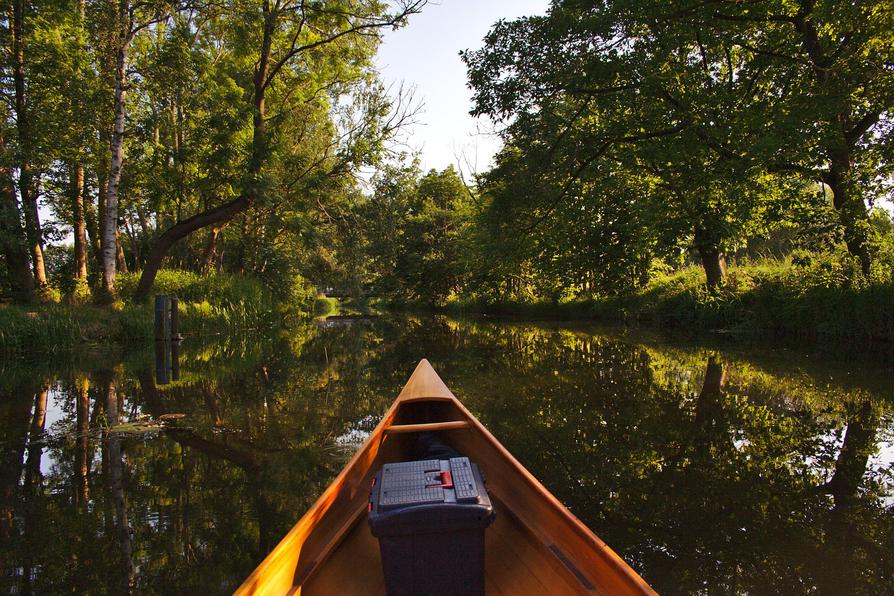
(110, 220)
(96, 217)
(116, 484)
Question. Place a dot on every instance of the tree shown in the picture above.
(75, 164)
(66, 126)
(572, 230)
(19, 28)
(333, 41)
(129, 19)
(681, 97)
(830, 65)
(416, 230)
(596, 85)
(12, 234)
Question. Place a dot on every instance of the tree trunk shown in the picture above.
(12, 235)
(16, 423)
(212, 404)
(845, 131)
(850, 466)
(95, 219)
(851, 209)
(26, 190)
(116, 484)
(844, 537)
(178, 231)
(79, 222)
(110, 220)
(714, 263)
(713, 259)
(120, 261)
(76, 166)
(32, 522)
(708, 406)
(35, 442)
(82, 451)
(207, 262)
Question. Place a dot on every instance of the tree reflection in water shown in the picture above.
(709, 469)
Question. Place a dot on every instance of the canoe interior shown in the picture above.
(515, 563)
(534, 546)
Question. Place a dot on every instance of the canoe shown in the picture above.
(535, 546)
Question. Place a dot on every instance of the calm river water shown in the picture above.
(711, 466)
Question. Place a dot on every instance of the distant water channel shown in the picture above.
(712, 466)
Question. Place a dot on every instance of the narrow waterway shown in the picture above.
(711, 466)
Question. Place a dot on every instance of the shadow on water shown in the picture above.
(711, 467)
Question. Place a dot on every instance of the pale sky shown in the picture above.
(425, 55)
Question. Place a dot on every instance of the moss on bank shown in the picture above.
(209, 305)
(810, 298)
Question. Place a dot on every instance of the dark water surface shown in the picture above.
(711, 466)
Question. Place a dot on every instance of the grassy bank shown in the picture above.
(811, 297)
(209, 305)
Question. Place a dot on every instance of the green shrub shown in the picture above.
(324, 306)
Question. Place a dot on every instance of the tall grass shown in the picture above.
(58, 328)
(209, 305)
(822, 295)
(825, 296)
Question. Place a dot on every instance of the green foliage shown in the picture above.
(805, 295)
(202, 131)
(417, 234)
(647, 127)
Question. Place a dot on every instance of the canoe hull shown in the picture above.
(535, 539)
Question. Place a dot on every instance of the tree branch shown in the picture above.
(408, 9)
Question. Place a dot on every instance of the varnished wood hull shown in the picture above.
(536, 546)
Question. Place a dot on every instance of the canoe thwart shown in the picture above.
(396, 429)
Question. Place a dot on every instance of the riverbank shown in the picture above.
(209, 305)
(825, 298)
